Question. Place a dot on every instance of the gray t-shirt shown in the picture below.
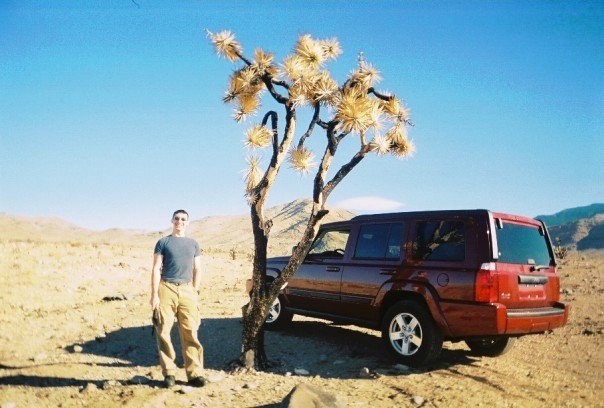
(178, 255)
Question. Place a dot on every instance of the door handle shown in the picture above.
(333, 269)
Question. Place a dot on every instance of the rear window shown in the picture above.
(379, 241)
(523, 244)
(440, 241)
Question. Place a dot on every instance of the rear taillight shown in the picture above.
(486, 286)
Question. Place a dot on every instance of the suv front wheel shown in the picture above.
(410, 333)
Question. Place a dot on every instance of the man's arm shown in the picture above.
(155, 278)
(197, 272)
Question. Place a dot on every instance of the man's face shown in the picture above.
(180, 221)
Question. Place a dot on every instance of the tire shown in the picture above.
(410, 333)
(278, 317)
(491, 346)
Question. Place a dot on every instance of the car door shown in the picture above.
(376, 257)
(316, 284)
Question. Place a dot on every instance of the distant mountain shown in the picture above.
(579, 228)
(235, 232)
(572, 215)
(583, 234)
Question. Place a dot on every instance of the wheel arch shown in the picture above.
(419, 294)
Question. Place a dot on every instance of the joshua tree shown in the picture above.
(354, 109)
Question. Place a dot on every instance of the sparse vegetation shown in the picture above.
(560, 251)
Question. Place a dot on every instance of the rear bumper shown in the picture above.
(497, 319)
(520, 321)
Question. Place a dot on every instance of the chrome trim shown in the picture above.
(532, 279)
(539, 312)
(493, 234)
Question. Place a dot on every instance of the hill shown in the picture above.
(215, 234)
(583, 234)
(235, 232)
(571, 215)
(579, 228)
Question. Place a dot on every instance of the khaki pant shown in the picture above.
(180, 302)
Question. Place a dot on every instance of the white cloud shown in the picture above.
(369, 204)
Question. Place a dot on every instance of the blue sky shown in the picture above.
(111, 111)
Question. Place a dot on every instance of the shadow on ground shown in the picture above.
(324, 349)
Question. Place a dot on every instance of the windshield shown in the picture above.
(523, 244)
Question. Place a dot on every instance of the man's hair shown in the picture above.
(180, 212)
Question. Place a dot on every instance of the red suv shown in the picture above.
(425, 277)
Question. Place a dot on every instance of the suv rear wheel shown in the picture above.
(410, 333)
(278, 316)
(491, 346)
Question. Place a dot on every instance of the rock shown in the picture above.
(139, 379)
(185, 389)
(401, 367)
(90, 387)
(301, 371)
(77, 348)
(418, 400)
(115, 298)
(306, 395)
(109, 384)
(364, 373)
(215, 377)
(367, 373)
(40, 357)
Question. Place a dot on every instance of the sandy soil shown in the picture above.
(76, 332)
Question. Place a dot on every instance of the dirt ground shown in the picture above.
(76, 331)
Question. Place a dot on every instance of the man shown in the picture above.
(175, 281)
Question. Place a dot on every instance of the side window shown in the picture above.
(379, 241)
(330, 243)
(440, 241)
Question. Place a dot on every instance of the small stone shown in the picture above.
(250, 386)
(301, 371)
(418, 400)
(401, 367)
(139, 379)
(365, 373)
(215, 377)
(90, 387)
(40, 357)
(185, 389)
(77, 348)
(109, 384)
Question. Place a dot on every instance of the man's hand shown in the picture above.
(154, 301)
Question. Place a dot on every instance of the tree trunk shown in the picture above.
(253, 355)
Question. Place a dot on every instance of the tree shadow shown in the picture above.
(328, 350)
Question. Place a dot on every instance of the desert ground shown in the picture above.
(76, 331)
